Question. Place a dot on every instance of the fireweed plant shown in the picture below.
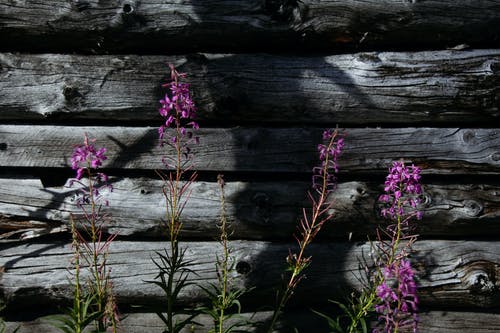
(391, 295)
(179, 113)
(323, 184)
(224, 296)
(93, 301)
(397, 302)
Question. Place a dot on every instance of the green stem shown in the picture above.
(300, 263)
(78, 296)
(95, 254)
(174, 224)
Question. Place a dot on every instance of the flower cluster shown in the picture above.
(177, 108)
(84, 159)
(324, 174)
(402, 187)
(400, 300)
(396, 287)
(86, 156)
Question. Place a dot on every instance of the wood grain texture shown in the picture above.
(435, 87)
(451, 274)
(429, 322)
(173, 26)
(436, 150)
(255, 210)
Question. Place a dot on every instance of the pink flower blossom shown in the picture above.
(328, 155)
(177, 106)
(84, 159)
(399, 301)
(85, 156)
(403, 189)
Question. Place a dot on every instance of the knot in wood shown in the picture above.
(481, 283)
(494, 67)
(361, 190)
(426, 199)
(469, 137)
(283, 10)
(128, 8)
(368, 57)
(263, 204)
(495, 157)
(71, 93)
(474, 208)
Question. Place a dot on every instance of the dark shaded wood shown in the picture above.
(451, 274)
(149, 26)
(435, 87)
(150, 322)
(430, 322)
(261, 210)
(436, 150)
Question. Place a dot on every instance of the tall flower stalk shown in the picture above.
(396, 289)
(391, 294)
(224, 296)
(178, 110)
(93, 298)
(323, 184)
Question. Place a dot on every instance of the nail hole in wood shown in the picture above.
(70, 93)
(243, 267)
(127, 8)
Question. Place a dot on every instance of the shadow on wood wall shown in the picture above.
(280, 101)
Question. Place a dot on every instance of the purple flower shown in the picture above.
(386, 293)
(177, 106)
(398, 296)
(328, 155)
(86, 156)
(403, 189)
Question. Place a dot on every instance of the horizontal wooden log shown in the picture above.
(150, 322)
(451, 274)
(260, 210)
(435, 87)
(148, 26)
(436, 150)
(429, 322)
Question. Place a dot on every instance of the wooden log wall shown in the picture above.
(417, 80)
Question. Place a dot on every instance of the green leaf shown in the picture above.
(332, 323)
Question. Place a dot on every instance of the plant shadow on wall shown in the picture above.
(263, 90)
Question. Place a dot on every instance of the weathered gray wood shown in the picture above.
(429, 322)
(150, 322)
(149, 26)
(261, 210)
(363, 88)
(436, 150)
(451, 274)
